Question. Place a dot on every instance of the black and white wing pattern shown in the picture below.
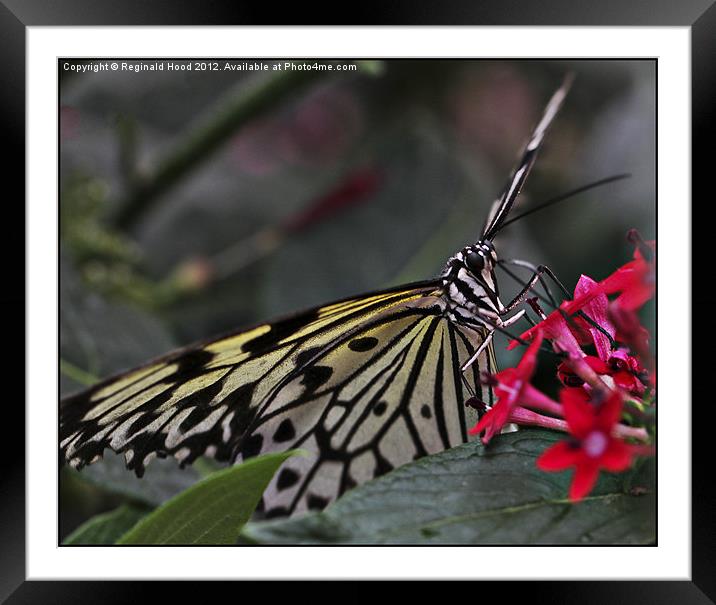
(364, 385)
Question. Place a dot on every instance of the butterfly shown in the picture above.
(364, 384)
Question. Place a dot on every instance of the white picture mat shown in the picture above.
(669, 560)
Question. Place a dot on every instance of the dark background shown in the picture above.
(341, 184)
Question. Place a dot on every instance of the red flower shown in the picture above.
(355, 189)
(569, 330)
(555, 328)
(592, 445)
(594, 385)
(624, 369)
(512, 387)
(596, 308)
(635, 281)
(627, 372)
(629, 329)
(569, 378)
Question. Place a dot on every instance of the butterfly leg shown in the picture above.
(536, 271)
(536, 276)
(488, 339)
(480, 349)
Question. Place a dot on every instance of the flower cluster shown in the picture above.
(606, 398)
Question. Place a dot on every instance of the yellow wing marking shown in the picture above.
(233, 343)
(135, 382)
(359, 303)
(127, 380)
(191, 386)
(229, 350)
(129, 406)
(355, 306)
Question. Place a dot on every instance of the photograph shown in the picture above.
(357, 301)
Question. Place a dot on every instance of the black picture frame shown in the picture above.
(17, 15)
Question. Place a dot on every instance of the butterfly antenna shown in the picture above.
(566, 196)
(501, 208)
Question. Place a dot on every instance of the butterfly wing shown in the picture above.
(284, 384)
(384, 395)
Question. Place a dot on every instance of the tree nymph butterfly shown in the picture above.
(365, 384)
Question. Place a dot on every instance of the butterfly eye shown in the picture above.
(475, 262)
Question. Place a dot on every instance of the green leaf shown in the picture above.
(107, 527)
(211, 512)
(477, 495)
(162, 480)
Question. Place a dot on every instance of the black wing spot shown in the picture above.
(426, 412)
(241, 396)
(360, 345)
(280, 330)
(316, 502)
(188, 363)
(379, 408)
(306, 356)
(285, 431)
(287, 478)
(252, 446)
(315, 376)
(198, 402)
(279, 511)
(382, 466)
(239, 400)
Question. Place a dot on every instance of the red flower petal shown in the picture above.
(528, 363)
(578, 412)
(609, 412)
(493, 421)
(629, 329)
(506, 378)
(567, 377)
(585, 477)
(620, 280)
(596, 308)
(511, 383)
(560, 456)
(617, 457)
(544, 326)
(599, 366)
(634, 281)
(636, 296)
(562, 336)
(556, 329)
(629, 382)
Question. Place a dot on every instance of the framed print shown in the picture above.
(372, 291)
(357, 420)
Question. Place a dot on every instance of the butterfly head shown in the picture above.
(469, 279)
(480, 259)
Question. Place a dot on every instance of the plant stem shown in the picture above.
(623, 431)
